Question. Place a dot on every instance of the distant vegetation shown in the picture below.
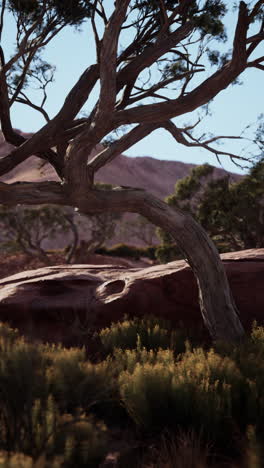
(167, 401)
(232, 213)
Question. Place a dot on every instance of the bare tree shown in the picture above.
(156, 76)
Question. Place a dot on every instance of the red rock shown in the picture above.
(43, 303)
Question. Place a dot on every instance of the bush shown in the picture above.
(52, 398)
(42, 391)
(148, 332)
(167, 253)
(77, 384)
(128, 251)
(197, 391)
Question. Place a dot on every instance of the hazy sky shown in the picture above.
(232, 110)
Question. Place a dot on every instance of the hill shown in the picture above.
(157, 176)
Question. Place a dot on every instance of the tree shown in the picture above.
(160, 59)
(231, 212)
(29, 228)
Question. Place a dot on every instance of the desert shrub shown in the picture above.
(197, 391)
(22, 380)
(249, 358)
(16, 460)
(167, 253)
(149, 252)
(121, 250)
(183, 450)
(83, 442)
(148, 332)
(76, 382)
(128, 359)
(128, 251)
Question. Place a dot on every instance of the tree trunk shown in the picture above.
(217, 305)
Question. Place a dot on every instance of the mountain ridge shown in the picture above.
(155, 175)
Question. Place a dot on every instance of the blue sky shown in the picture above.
(232, 110)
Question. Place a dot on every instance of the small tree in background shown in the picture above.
(35, 231)
(231, 212)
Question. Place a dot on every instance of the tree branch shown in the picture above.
(3, 6)
(30, 193)
(203, 93)
(151, 54)
(125, 142)
(108, 59)
(180, 138)
(46, 137)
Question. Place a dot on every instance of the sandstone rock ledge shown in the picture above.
(44, 303)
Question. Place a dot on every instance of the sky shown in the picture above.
(231, 111)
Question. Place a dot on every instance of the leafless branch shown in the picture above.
(180, 138)
(29, 103)
(161, 85)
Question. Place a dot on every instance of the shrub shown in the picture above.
(167, 253)
(39, 386)
(197, 391)
(148, 332)
(76, 382)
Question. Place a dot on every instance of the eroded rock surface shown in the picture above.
(56, 303)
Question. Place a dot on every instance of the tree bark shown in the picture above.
(218, 308)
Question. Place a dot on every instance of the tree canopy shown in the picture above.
(232, 212)
(156, 60)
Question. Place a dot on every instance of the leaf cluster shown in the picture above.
(72, 12)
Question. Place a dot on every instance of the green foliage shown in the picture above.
(51, 397)
(148, 332)
(167, 253)
(231, 212)
(234, 211)
(26, 228)
(195, 392)
(45, 394)
(72, 12)
(77, 383)
(127, 251)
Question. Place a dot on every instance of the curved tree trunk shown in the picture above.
(217, 305)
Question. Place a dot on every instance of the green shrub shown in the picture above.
(39, 386)
(75, 382)
(128, 251)
(167, 253)
(195, 392)
(148, 332)
(127, 360)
